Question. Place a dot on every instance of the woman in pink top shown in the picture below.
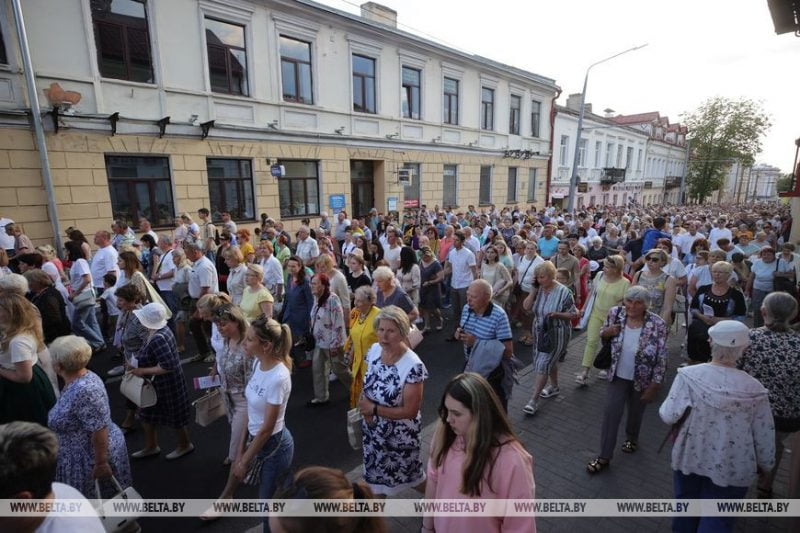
(474, 427)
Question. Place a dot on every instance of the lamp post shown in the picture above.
(573, 180)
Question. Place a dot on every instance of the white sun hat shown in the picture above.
(152, 316)
(729, 333)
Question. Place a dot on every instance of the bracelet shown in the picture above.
(375, 409)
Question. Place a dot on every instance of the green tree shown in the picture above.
(784, 183)
(722, 130)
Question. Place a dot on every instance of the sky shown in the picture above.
(696, 49)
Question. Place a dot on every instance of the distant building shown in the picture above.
(758, 183)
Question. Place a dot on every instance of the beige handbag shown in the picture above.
(209, 407)
(116, 524)
(414, 337)
(152, 295)
(140, 391)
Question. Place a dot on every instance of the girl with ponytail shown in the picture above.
(266, 448)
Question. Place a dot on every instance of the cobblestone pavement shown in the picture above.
(565, 434)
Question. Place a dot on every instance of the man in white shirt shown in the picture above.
(6, 241)
(686, 240)
(147, 229)
(229, 224)
(208, 232)
(719, 232)
(391, 252)
(462, 266)
(28, 463)
(470, 241)
(342, 223)
(307, 248)
(104, 260)
(203, 280)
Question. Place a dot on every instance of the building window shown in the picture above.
(450, 104)
(450, 186)
(619, 156)
(514, 115)
(412, 190)
(582, 153)
(230, 187)
(140, 187)
(639, 160)
(364, 84)
(536, 115)
(227, 57)
(487, 108)
(629, 157)
(511, 197)
(609, 155)
(563, 149)
(598, 153)
(298, 190)
(531, 184)
(296, 70)
(411, 92)
(485, 191)
(122, 39)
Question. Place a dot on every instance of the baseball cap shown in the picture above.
(729, 333)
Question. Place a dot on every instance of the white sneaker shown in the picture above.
(530, 408)
(550, 391)
(332, 377)
(603, 374)
(116, 371)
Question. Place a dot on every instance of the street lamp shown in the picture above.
(573, 180)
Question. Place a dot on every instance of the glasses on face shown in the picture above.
(653, 259)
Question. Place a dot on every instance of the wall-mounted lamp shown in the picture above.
(437, 139)
(392, 135)
(340, 131)
(273, 125)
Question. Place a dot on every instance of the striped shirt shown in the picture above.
(492, 324)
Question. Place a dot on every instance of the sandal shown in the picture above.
(581, 380)
(597, 466)
(525, 341)
(628, 446)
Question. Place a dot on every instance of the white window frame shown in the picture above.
(236, 13)
(516, 185)
(563, 151)
(532, 184)
(302, 30)
(491, 176)
(417, 62)
(582, 153)
(598, 153)
(371, 49)
(454, 73)
(444, 205)
(538, 134)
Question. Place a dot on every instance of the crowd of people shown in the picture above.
(351, 299)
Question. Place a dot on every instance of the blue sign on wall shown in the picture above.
(336, 203)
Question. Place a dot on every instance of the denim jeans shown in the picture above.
(276, 466)
(695, 487)
(84, 324)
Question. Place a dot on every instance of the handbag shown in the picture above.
(209, 408)
(114, 524)
(152, 295)
(543, 339)
(602, 361)
(84, 299)
(140, 391)
(414, 336)
(307, 340)
(784, 284)
(354, 435)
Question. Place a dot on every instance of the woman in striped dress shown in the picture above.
(553, 309)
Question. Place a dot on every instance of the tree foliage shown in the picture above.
(784, 183)
(722, 130)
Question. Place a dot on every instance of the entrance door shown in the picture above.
(362, 187)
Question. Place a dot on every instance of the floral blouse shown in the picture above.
(651, 357)
(233, 368)
(773, 358)
(328, 323)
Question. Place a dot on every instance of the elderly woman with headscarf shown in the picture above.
(638, 362)
(773, 358)
(724, 431)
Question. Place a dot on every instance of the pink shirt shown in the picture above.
(511, 478)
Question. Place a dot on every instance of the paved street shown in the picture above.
(562, 438)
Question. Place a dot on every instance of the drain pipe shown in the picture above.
(38, 128)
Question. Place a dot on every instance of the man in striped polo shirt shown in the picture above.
(481, 319)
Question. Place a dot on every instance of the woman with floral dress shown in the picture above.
(90, 445)
(391, 405)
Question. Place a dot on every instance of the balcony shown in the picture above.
(671, 182)
(610, 176)
(564, 174)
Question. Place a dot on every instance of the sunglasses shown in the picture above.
(653, 259)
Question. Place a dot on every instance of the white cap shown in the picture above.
(152, 316)
(594, 266)
(729, 333)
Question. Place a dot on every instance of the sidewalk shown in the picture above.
(565, 435)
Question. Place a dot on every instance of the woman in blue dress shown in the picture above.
(91, 446)
(297, 305)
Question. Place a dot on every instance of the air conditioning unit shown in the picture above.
(404, 176)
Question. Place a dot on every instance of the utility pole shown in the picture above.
(682, 193)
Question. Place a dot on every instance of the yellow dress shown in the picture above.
(362, 337)
(246, 250)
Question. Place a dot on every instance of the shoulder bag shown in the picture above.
(114, 523)
(784, 284)
(152, 295)
(414, 336)
(84, 299)
(602, 360)
(139, 390)
(354, 434)
(209, 407)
